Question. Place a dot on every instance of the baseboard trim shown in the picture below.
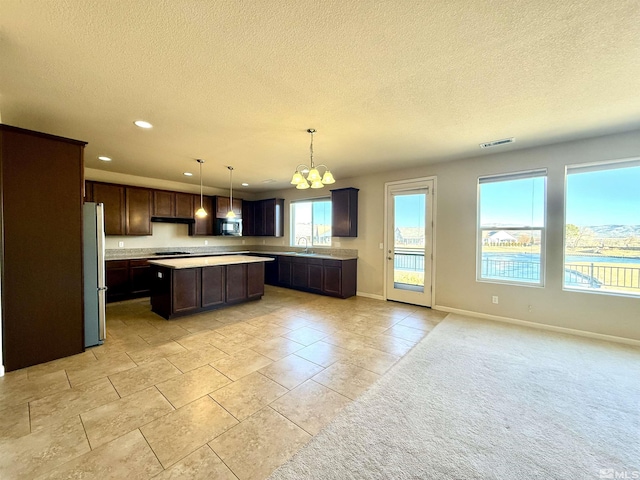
(540, 326)
(370, 295)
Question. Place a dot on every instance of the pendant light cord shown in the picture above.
(200, 162)
(311, 132)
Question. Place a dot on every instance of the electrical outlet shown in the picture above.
(121, 244)
(494, 299)
(264, 242)
(530, 308)
(206, 242)
(244, 241)
(381, 246)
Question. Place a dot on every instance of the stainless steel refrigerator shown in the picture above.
(94, 275)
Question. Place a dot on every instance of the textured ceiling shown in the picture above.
(387, 84)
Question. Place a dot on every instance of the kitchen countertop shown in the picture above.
(195, 262)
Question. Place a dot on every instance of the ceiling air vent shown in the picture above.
(495, 143)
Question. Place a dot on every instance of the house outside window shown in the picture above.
(311, 222)
(511, 228)
(602, 228)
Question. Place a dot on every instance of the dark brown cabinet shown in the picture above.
(336, 278)
(168, 204)
(127, 279)
(222, 206)
(344, 212)
(138, 211)
(263, 218)
(41, 247)
(213, 286)
(184, 205)
(140, 278)
(178, 292)
(112, 196)
(203, 226)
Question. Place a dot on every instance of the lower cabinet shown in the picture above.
(336, 278)
(179, 292)
(127, 279)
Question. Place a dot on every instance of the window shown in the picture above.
(602, 228)
(311, 220)
(511, 228)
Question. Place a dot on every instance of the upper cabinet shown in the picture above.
(138, 204)
(112, 196)
(203, 226)
(222, 206)
(263, 218)
(344, 212)
(172, 204)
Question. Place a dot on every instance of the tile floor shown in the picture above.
(227, 394)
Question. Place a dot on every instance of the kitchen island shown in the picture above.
(184, 286)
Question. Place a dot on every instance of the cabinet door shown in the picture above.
(271, 272)
(203, 226)
(186, 290)
(88, 191)
(315, 274)
(184, 205)
(300, 273)
(112, 196)
(332, 282)
(248, 218)
(163, 203)
(222, 206)
(117, 276)
(139, 278)
(344, 212)
(255, 280)
(237, 207)
(272, 224)
(284, 271)
(236, 282)
(138, 208)
(213, 286)
(260, 219)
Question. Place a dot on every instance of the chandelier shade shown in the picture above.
(313, 178)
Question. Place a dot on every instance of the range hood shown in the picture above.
(172, 220)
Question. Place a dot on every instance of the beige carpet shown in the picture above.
(483, 400)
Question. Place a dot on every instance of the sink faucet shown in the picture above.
(306, 244)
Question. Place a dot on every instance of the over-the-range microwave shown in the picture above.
(228, 226)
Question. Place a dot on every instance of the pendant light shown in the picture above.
(201, 212)
(313, 178)
(231, 213)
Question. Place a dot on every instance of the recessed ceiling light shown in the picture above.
(188, 174)
(104, 159)
(245, 184)
(142, 124)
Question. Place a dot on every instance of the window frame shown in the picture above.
(520, 175)
(578, 168)
(292, 217)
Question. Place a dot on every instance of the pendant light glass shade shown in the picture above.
(201, 212)
(313, 178)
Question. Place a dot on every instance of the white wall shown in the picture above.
(455, 283)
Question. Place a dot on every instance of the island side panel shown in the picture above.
(161, 290)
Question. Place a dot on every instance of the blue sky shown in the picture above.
(410, 210)
(609, 197)
(606, 197)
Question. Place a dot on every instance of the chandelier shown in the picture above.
(313, 178)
